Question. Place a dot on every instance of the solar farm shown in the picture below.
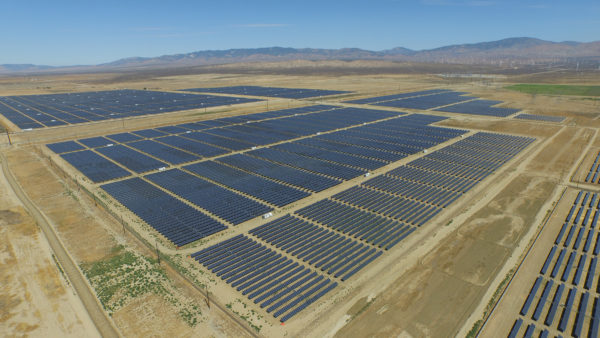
(316, 148)
(39, 111)
(557, 119)
(335, 211)
(440, 100)
(290, 93)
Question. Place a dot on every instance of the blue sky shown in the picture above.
(91, 32)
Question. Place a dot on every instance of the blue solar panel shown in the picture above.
(372, 100)
(321, 248)
(124, 137)
(131, 159)
(546, 118)
(479, 107)
(292, 93)
(427, 101)
(177, 221)
(64, 147)
(281, 286)
(94, 166)
(223, 203)
(299, 178)
(261, 188)
(36, 111)
(163, 152)
(195, 147)
(94, 142)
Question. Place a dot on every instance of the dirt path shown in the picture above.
(95, 311)
(35, 300)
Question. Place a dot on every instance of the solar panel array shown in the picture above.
(225, 184)
(95, 167)
(565, 296)
(593, 174)
(334, 237)
(479, 107)
(442, 100)
(219, 201)
(414, 193)
(290, 93)
(279, 284)
(38, 111)
(177, 221)
(342, 234)
(427, 101)
(380, 99)
(545, 118)
(182, 143)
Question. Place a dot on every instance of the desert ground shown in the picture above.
(442, 281)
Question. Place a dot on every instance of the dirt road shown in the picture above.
(97, 314)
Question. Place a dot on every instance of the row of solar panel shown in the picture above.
(575, 311)
(366, 226)
(393, 206)
(190, 146)
(37, 111)
(177, 221)
(377, 99)
(405, 195)
(592, 176)
(256, 179)
(567, 264)
(354, 228)
(446, 101)
(546, 118)
(479, 107)
(162, 133)
(277, 283)
(290, 93)
(330, 252)
(472, 167)
(427, 101)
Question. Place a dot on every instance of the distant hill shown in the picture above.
(506, 52)
(7, 68)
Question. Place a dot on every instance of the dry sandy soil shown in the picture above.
(91, 236)
(436, 284)
(35, 298)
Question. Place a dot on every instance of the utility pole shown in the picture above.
(8, 136)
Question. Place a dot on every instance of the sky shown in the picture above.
(85, 32)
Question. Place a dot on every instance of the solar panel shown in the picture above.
(178, 222)
(291, 93)
(94, 166)
(37, 111)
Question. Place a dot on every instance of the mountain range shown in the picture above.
(506, 52)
